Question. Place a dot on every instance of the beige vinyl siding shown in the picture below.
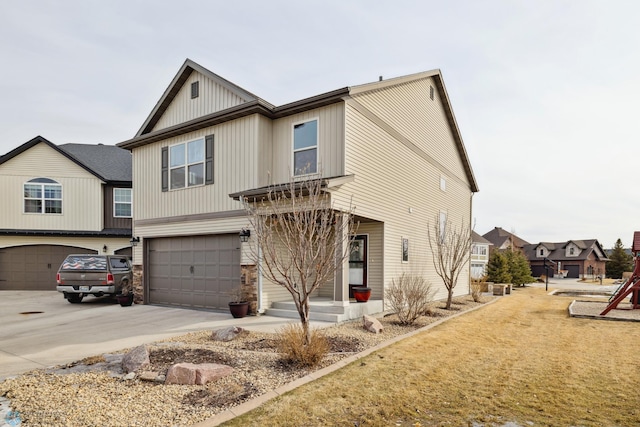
(401, 189)
(82, 201)
(265, 151)
(236, 164)
(409, 109)
(330, 142)
(213, 97)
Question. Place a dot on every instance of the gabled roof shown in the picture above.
(499, 236)
(106, 162)
(176, 84)
(476, 238)
(257, 105)
(557, 251)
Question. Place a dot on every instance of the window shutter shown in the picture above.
(208, 160)
(165, 168)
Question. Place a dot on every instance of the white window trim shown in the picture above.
(43, 198)
(122, 203)
(187, 164)
(317, 146)
(443, 183)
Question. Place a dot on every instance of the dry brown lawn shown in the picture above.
(521, 360)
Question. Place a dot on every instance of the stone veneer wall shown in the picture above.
(138, 290)
(249, 286)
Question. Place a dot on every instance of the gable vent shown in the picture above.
(195, 89)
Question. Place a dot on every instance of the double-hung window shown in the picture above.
(122, 203)
(42, 196)
(305, 148)
(186, 164)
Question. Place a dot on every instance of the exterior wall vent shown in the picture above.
(195, 89)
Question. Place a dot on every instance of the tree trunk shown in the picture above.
(449, 298)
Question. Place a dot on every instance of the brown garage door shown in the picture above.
(33, 267)
(194, 271)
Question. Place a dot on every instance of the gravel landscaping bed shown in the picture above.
(95, 391)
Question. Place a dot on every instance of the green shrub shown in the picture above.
(409, 297)
(290, 343)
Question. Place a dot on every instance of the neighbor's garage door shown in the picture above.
(195, 271)
(33, 267)
(573, 270)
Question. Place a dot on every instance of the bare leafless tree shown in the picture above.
(301, 238)
(451, 250)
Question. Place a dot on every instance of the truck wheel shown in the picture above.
(74, 298)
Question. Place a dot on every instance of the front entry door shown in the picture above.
(357, 263)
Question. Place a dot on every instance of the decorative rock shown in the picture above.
(137, 359)
(130, 376)
(226, 334)
(148, 376)
(372, 324)
(200, 374)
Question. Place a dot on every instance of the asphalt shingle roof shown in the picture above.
(110, 162)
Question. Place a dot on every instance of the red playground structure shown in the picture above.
(631, 286)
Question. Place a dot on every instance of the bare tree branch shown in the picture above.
(451, 250)
(297, 230)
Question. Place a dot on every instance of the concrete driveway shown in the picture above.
(41, 329)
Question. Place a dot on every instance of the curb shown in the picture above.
(252, 404)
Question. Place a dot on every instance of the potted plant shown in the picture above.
(238, 306)
(125, 296)
(361, 293)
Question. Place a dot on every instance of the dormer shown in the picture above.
(543, 250)
(572, 250)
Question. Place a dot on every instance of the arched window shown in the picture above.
(42, 196)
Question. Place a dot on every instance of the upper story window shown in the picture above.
(478, 250)
(42, 196)
(443, 183)
(186, 164)
(122, 203)
(571, 251)
(305, 148)
(541, 251)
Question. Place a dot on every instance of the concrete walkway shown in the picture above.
(40, 329)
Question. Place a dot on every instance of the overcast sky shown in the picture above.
(545, 93)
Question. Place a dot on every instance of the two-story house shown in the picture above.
(57, 200)
(393, 147)
(501, 239)
(573, 258)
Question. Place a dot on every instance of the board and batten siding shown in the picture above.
(82, 199)
(236, 162)
(213, 97)
(396, 186)
(330, 142)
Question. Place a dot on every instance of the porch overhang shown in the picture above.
(260, 193)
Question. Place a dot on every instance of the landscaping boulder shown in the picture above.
(196, 374)
(226, 334)
(136, 359)
(372, 324)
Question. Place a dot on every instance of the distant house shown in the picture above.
(60, 199)
(573, 258)
(393, 147)
(480, 249)
(502, 239)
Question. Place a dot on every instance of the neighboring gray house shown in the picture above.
(60, 199)
(393, 147)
